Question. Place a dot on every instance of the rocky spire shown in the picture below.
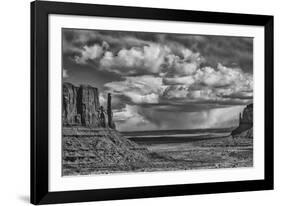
(109, 112)
(102, 117)
(240, 118)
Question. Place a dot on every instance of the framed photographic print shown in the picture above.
(133, 102)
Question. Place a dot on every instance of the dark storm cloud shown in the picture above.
(116, 39)
(229, 51)
(86, 74)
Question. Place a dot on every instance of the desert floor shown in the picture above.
(221, 152)
(183, 153)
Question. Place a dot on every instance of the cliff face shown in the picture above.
(245, 128)
(81, 106)
(88, 105)
(69, 105)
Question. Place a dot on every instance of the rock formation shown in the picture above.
(81, 107)
(69, 105)
(100, 150)
(109, 112)
(245, 128)
(88, 105)
(90, 142)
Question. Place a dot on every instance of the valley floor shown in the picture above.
(194, 153)
(221, 152)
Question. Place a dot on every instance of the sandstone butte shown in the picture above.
(245, 128)
(90, 141)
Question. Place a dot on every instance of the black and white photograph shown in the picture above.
(137, 101)
(145, 102)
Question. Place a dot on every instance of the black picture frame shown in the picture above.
(39, 102)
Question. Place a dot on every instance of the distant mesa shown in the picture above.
(81, 107)
(245, 128)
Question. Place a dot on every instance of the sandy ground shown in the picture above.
(215, 152)
(222, 152)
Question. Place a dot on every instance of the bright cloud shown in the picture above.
(145, 58)
(91, 53)
(64, 73)
(140, 89)
(220, 84)
(217, 85)
(135, 60)
(129, 118)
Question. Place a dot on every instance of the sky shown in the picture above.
(162, 81)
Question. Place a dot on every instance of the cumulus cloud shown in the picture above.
(132, 57)
(213, 84)
(139, 89)
(135, 60)
(224, 76)
(91, 52)
(64, 73)
(221, 85)
(182, 62)
(152, 59)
